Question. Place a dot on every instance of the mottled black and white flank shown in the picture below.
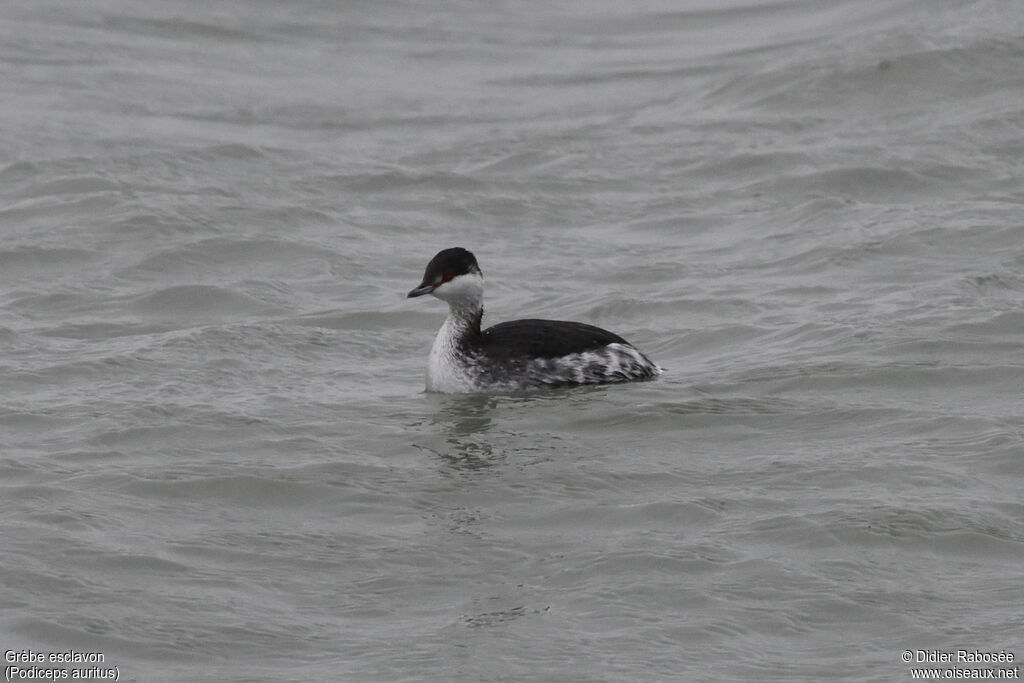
(518, 354)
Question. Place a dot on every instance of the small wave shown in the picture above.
(235, 490)
(1008, 323)
(85, 184)
(875, 184)
(173, 28)
(231, 151)
(42, 258)
(183, 301)
(383, 181)
(206, 255)
(946, 530)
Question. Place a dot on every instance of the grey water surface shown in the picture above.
(217, 460)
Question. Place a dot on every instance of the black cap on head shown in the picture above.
(446, 264)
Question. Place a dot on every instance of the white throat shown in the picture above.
(463, 293)
(448, 370)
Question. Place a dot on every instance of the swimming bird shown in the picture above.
(518, 354)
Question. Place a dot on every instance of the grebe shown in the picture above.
(519, 354)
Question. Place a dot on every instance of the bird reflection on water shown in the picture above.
(470, 440)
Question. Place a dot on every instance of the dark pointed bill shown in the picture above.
(424, 288)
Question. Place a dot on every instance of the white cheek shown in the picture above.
(463, 288)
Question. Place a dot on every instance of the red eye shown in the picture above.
(447, 277)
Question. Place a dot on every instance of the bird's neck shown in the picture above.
(464, 317)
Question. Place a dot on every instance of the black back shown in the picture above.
(531, 338)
